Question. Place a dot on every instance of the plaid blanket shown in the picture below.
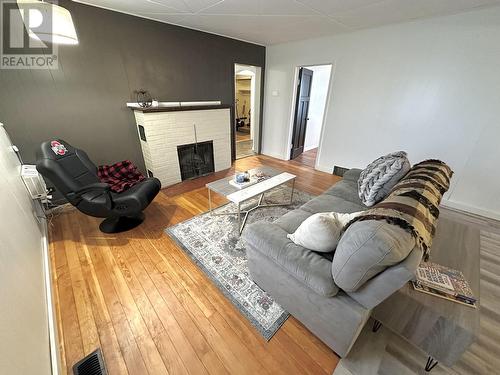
(120, 176)
(413, 202)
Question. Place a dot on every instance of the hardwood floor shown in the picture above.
(244, 149)
(308, 157)
(140, 298)
(242, 136)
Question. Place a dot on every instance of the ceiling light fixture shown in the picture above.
(60, 30)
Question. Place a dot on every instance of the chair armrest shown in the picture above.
(97, 187)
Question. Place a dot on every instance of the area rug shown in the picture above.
(215, 246)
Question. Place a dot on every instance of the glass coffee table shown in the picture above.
(273, 178)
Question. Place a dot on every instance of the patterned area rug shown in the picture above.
(214, 244)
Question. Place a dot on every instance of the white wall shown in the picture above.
(24, 322)
(431, 87)
(319, 93)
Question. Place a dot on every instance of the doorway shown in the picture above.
(247, 89)
(313, 84)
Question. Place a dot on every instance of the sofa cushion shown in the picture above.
(366, 249)
(328, 203)
(352, 175)
(388, 282)
(380, 176)
(347, 190)
(290, 221)
(304, 265)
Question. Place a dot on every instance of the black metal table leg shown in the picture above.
(376, 326)
(431, 363)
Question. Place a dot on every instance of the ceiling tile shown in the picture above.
(259, 7)
(452, 6)
(275, 21)
(264, 30)
(135, 6)
(331, 7)
(175, 19)
(382, 13)
(312, 27)
(191, 6)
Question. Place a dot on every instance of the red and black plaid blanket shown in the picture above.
(120, 176)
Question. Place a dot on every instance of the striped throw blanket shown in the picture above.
(413, 202)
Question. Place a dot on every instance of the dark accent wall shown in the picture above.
(84, 100)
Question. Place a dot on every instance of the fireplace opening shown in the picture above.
(196, 159)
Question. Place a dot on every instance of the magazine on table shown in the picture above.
(443, 282)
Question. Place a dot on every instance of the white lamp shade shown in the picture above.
(60, 31)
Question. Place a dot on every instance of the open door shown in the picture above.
(301, 112)
(247, 95)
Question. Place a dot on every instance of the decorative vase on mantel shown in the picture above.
(144, 98)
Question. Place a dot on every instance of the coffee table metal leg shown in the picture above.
(376, 326)
(260, 199)
(246, 212)
(431, 363)
(239, 218)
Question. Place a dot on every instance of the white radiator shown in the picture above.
(34, 182)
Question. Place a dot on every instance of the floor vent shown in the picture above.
(339, 171)
(93, 364)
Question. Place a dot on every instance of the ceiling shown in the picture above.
(270, 22)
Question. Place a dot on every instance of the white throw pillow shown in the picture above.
(321, 232)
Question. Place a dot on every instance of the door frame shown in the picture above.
(233, 112)
(293, 105)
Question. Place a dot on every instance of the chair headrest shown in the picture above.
(55, 149)
(67, 167)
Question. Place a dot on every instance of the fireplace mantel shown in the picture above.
(181, 108)
(162, 129)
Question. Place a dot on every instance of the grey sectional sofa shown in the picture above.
(332, 294)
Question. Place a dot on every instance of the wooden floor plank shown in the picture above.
(54, 234)
(188, 339)
(150, 305)
(88, 329)
(149, 351)
(126, 339)
(152, 310)
(107, 336)
(307, 157)
(73, 343)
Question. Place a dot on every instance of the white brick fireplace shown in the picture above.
(161, 130)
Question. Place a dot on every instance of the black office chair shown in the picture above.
(75, 176)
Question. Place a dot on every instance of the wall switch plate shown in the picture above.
(275, 93)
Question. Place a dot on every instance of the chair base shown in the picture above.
(121, 223)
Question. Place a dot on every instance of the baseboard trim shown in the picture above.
(273, 155)
(471, 210)
(322, 168)
(52, 327)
